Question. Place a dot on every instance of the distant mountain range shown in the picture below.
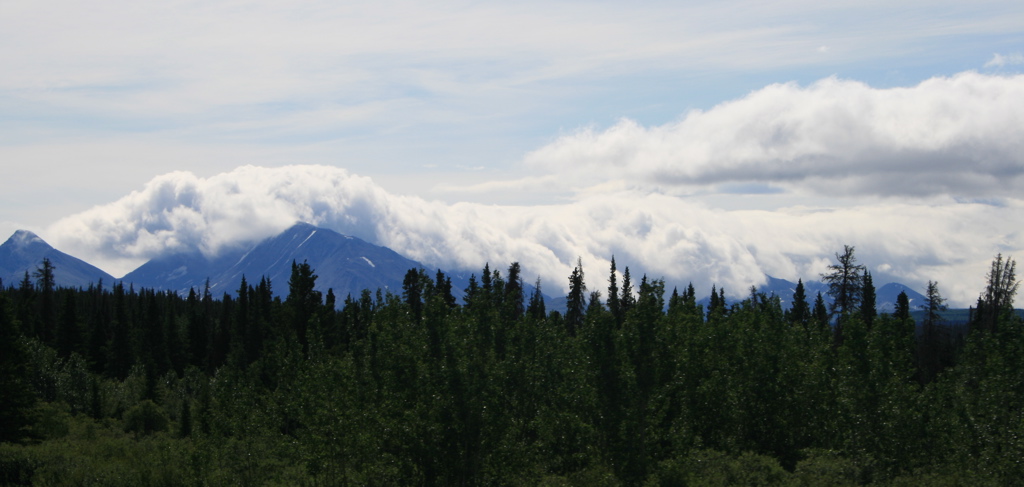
(885, 296)
(343, 263)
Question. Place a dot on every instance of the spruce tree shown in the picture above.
(868, 311)
(412, 293)
(997, 299)
(800, 311)
(576, 300)
(303, 301)
(514, 306)
(443, 286)
(845, 281)
(930, 355)
(69, 335)
(626, 299)
(613, 294)
(47, 284)
(820, 313)
(536, 309)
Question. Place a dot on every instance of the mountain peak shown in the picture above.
(25, 238)
(346, 264)
(25, 251)
(301, 226)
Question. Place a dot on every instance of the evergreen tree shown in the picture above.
(220, 345)
(713, 303)
(69, 335)
(933, 303)
(25, 307)
(613, 294)
(997, 299)
(412, 293)
(262, 303)
(626, 299)
(243, 321)
(99, 328)
(868, 311)
(514, 300)
(153, 350)
(197, 329)
(931, 341)
(120, 357)
(328, 328)
(820, 313)
(717, 306)
(845, 281)
(46, 283)
(800, 311)
(690, 301)
(443, 286)
(576, 300)
(675, 302)
(303, 301)
(177, 352)
(536, 308)
(472, 290)
(485, 281)
(902, 309)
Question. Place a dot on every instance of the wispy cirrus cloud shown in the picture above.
(1001, 60)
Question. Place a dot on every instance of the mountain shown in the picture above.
(183, 271)
(344, 263)
(25, 251)
(784, 290)
(885, 296)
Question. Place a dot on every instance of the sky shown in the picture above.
(705, 142)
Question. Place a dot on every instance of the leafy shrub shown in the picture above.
(145, 418)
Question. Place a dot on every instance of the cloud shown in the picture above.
(999, 60)
(960, 135)
(215, 67)
(657, 234)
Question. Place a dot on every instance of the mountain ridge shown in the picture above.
(24, 252)
(343, 263)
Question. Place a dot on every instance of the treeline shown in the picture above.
(632, 385)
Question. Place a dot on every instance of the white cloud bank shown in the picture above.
(661, 235)
(960, 135)
(948, 154)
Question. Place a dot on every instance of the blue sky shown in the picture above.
(540, 108)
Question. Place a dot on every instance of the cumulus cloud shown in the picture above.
(959, 135)
(657, 234)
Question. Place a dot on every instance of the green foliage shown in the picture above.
(417, 389)
(16, 392)
(145, 418)
(710, 468)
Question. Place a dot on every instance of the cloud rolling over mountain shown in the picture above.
(658, 234)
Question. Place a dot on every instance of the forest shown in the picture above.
(632, 385)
